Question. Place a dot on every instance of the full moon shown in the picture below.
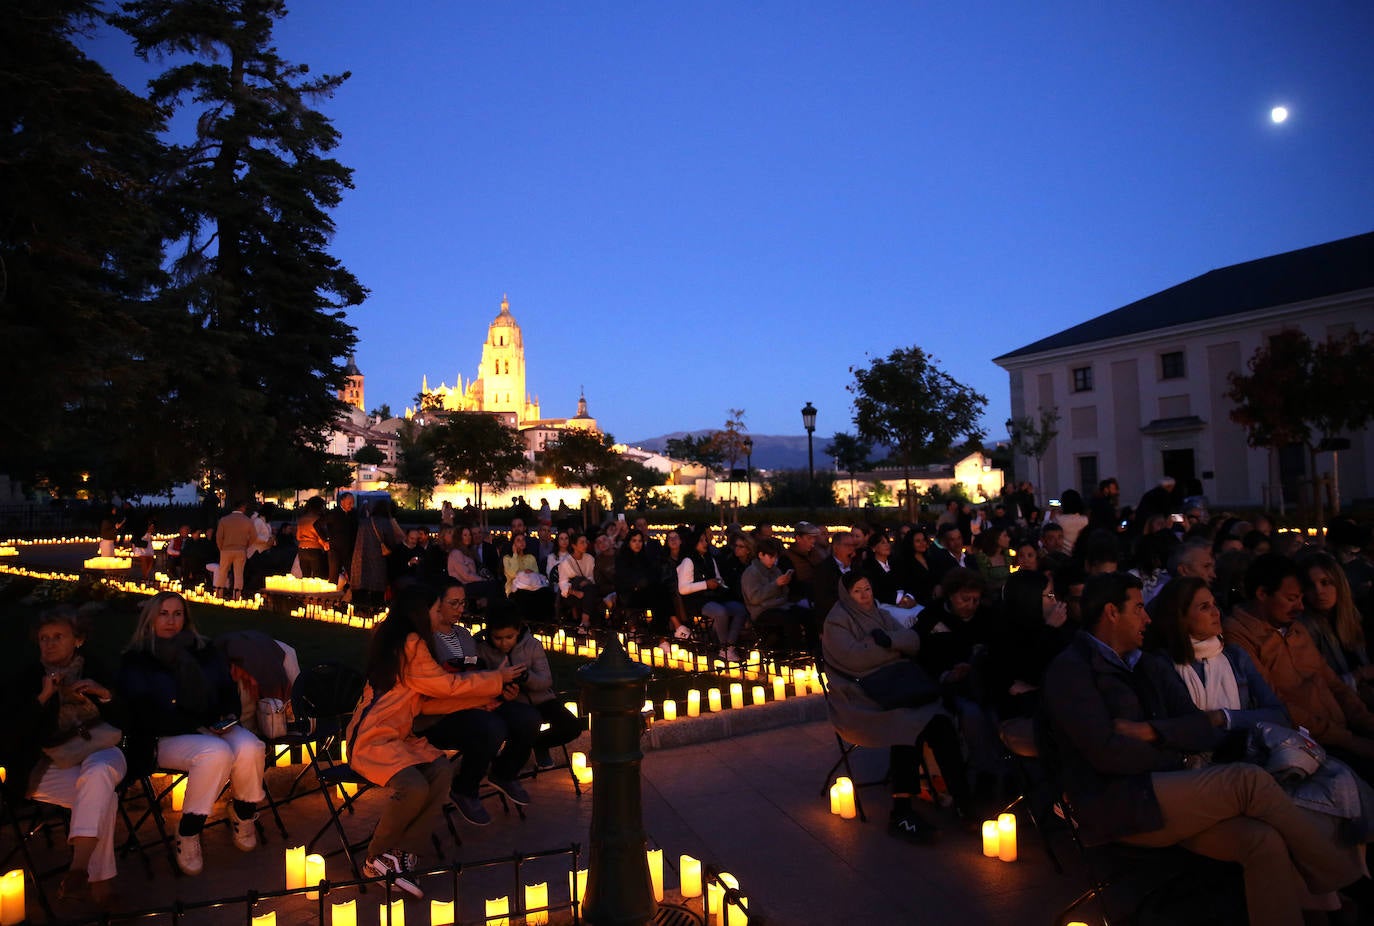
(1278, 114)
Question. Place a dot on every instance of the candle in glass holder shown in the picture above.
(295, 868)
(536, 896)
(736, 696)
(779, 688)
(670, 710)
(314, 874)
(713, 699)
(344, 914)
(656, 872)
(693, 703)
(441, 912)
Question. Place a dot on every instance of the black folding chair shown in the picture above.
(322, 698)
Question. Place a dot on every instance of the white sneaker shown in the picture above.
(189, 858)
(245, 831)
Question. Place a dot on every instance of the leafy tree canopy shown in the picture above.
(80, 244)
(702, 450)
(476, 447)
(905, 401)
(259, 299)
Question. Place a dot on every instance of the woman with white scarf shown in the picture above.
(1221, 676)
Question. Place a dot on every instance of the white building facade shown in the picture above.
(1141, 390)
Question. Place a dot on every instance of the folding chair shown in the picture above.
(858, 721)
(333, 780)
(322, 697)
(25, 819)
(1018, 738)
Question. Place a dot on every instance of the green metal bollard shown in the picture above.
(619, 892)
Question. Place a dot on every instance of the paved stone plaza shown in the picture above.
(750, 804)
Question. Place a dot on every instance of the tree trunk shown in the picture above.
(910, 501)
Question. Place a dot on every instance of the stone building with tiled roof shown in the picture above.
(1141, 389)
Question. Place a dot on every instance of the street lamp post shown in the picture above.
(808, 413)
(749, 468)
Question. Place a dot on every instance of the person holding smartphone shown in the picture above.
(183, 714)
(507, 641)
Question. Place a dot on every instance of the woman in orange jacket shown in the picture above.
(402, 674)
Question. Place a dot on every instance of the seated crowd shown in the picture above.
(1171, 670)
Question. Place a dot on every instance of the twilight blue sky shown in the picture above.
(699, 206)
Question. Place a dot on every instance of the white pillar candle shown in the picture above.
(670, 710)
(759, 696)
(779, 688)
(498, 911)
(656, 872)
(693, 703)
(441, 912)
(1006, 837)
(713, 699)
(736, 696)
(689, 876)
(536, 896)
(344, 914)
(314, 874)
(295, 867)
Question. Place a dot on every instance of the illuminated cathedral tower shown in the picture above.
(501, 376)
(352, 392)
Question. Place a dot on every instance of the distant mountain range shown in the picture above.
(771, 451)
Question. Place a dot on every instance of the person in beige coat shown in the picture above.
(404, 679)
(860, 642)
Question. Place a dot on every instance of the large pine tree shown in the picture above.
(251, 274)
(79, 251)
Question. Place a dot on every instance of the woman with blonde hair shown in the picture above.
(183, 714)
(1330, 615)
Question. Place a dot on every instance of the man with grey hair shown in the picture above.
(1194, 559)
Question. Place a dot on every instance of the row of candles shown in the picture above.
(306, 871)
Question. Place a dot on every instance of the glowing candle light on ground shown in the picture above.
(344, 914)
(847, 809)
(314, 874)
(736, 696)
(581, 770)
(835, 798)
(990, 848)
(689, 876)
(266, 919)
(283, 756)
(656, 872)
(759, 695)
(693, 703)
(393, 914)
(13, 909)
(577, 884)
(730, 915)
(498, 911)
(536, 896)
(1006, 837)
(779, 688)
(713, 699)
(441, 912)
(178, 795)
(295, 867)
(799, 684)
(670, 710)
